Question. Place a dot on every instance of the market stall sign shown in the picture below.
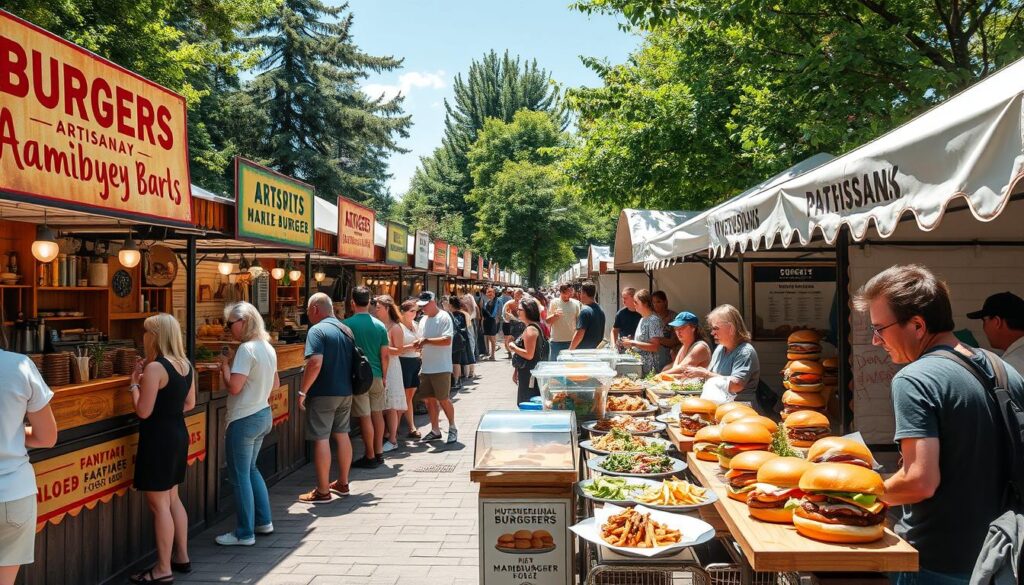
(355, 230)
(94, 136)
(508, 557)
(271, 207)
(480, 267)
(279, 404)
(467, 264)
(422, 256)
(440, 256)
(83, 478)
(790, 297)
(398, 244)
(453, 260)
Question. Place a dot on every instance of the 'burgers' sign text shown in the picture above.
(272, 207)
(79, 129)
(355, 230)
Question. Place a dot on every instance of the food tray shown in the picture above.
(693, 531)
(643, 482)
(656, 427)
(677, 468)
(588, 445)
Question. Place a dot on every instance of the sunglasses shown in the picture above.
(227, 326)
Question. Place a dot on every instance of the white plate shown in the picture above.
(669, 418)
(588, 445)
(657, 428)
(710, 497)
(693, 530)
(677, 468)
(636, 480)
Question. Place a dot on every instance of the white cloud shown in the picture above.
(406, 83)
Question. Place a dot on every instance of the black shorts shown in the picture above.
(490, 327)
(506, 328)
(410, 371)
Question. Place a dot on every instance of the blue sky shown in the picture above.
(439, 38)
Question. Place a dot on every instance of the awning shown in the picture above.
(325, 216)
(971, 147)
(635, 227)
(596, 255)
(691, 236)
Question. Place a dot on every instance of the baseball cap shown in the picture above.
(1004, 304)
(425, 298)
(684, 318)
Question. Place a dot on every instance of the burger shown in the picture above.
(778, 481)
(738, 437)
(764, 421)
(804, 427)
(830, 375)
(840, 450)
(742, 474)
(728, 407)
(840, 504)
(802, 376)
(804, 344)
(695, 414)
(794, 401)
(706, 442)
(738, 413)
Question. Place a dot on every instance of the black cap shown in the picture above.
(1004, 304)
(425, 298)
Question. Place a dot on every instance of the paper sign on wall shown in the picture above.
(422, 257)
(398, 244)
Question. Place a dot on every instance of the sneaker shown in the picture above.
(379, 459)
(453, 435)
(265, 529)
(432, 436)
(365, 463)
(315, 497)
(230, 539)
(337, 488)
(389, 446)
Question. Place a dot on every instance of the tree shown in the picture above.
(322, 127)
(494, 87)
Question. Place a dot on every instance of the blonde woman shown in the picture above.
(472, 323)
(394, 389)
(411, 362)
(734, 358)
(163, 390)
(249, 378)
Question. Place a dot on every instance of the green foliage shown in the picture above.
(781, 445)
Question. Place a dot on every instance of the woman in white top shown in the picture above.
(410, 360)
(394, 391)
(23, 393)
(249, 379)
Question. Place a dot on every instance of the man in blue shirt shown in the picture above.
(326, 397)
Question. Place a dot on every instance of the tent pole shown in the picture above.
(190, 298)
(741, 281)
(618, 297)
(843, 327)
(713, 268)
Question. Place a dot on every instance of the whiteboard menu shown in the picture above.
(790, 297)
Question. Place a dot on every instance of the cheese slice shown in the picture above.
(875, 508)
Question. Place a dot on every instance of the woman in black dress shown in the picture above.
(163, 390)
(527, 350)
(490, 319)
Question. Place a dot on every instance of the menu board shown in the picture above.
(467, 264)
(453, 260)
(789, 297)
(355, 230)
(525, 541)
(422, 257)
(440, 256)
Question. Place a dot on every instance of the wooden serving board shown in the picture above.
(681, 441)
(779, 548)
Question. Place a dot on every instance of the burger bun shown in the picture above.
(784, 472)
(774, 515)
(737, 413)
(839, 533)
(724, 409)
(692, 405)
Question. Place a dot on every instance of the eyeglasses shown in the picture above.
(227, 326)
(877, 331)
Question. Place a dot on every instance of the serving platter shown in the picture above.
(656, 427)
(588, 445)
(693, 530)
(627, 502)
(677, 468)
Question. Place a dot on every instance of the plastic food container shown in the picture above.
(623, 364)
(580, 387)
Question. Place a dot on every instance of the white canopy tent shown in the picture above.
(596, 255)
(635, 227)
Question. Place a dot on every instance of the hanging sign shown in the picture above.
(790, 297)
(453, 260)
(279, 405)
(467, 264)
(480, 267)
(422, 257)
(440, 256)
(82, 478)
(94, 136)
(271, 207)
(398, 244)
(355, 230)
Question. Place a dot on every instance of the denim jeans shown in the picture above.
(555, 348)
(926, 577)
(242, 444)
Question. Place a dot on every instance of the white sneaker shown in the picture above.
(389, 446)
(230, 539)
(265, 529)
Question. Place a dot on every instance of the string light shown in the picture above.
(129, 256)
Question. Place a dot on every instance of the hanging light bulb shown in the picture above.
(45, 248)
(255, 269)
(294, 275)
(225, 266)
(243, 264)
(277, 272)
(129, 255)
(319, 275)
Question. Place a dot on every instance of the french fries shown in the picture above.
(673, 492)
(635, 530)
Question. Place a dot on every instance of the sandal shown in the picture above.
(147, 577)
(414, 434)
(183, 568)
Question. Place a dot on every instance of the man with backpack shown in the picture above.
(326, 397)
(957, 453)
(372, 338)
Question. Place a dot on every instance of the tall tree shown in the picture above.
(322, 126)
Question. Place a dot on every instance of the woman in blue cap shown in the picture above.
(694, 350)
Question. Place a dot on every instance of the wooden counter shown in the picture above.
(75, 405)
(779, 548)
(683, 443)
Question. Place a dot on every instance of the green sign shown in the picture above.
(398, 244)
(271, 207)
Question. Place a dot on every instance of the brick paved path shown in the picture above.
(399, 525)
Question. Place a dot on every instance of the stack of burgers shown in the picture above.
(830, 380)
(695, 414)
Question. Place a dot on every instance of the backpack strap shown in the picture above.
(995, 361)
(346, 330)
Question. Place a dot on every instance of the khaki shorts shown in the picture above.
(17, 531)
(327, 415)
(372, 401)
(438, 386)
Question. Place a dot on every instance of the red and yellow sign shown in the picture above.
(78, 129)
(83, 478)
(355, 230)
(453, 260)
(440, 256)
(279, 404)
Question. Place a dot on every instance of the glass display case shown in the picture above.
(508, 440)
(579, 387)
(624, 364)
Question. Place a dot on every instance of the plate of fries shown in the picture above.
(643, 531)
(674, 495)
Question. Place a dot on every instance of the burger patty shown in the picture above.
(808, 434)
(743, 479)
(789, 409)
(753, 502)
(842, 458)
(692, 422)
(849, 516)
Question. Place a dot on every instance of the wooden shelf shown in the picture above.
(72, 288)
(15, 286)
(126, 316)
(65, 318)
